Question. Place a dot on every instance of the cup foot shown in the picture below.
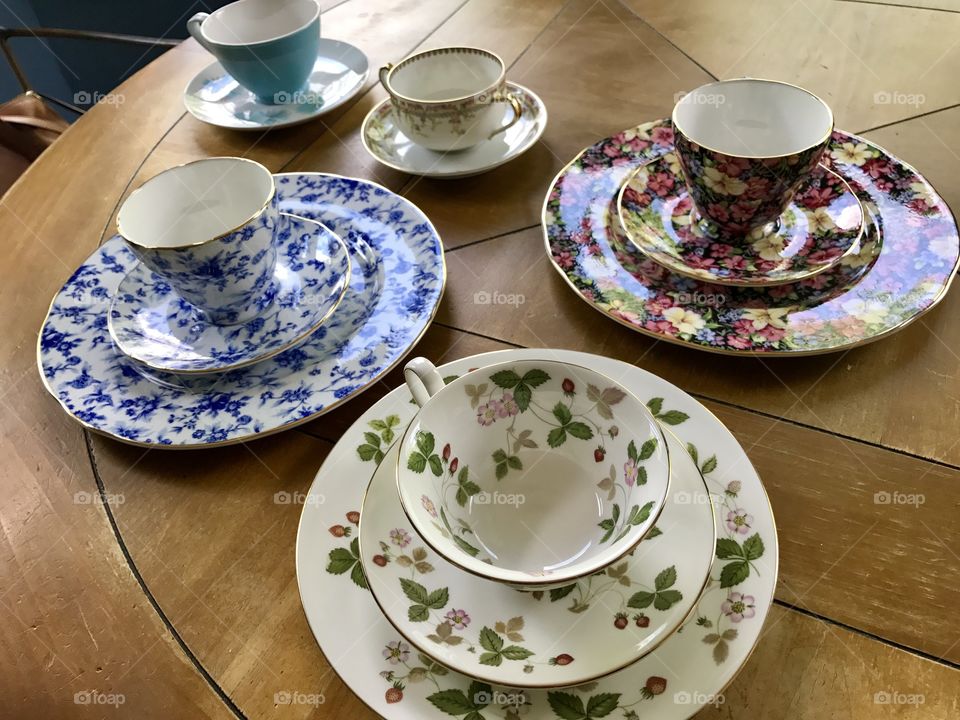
(710, 229)
(242, 315)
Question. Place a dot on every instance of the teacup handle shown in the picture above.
(384, 72)
(193, 27)
(517, 111)
(423, 379)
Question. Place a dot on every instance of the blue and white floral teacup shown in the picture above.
(208, 227)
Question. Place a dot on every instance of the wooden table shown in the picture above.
(180, 594)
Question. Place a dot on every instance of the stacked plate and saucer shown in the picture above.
(235, 303)
(543, 534)
(747, 224)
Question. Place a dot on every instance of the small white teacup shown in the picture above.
(450, 98)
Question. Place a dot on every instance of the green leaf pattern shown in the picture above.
(738, 553)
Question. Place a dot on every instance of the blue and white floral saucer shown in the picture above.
(214, 97)
(396, 282)
(152, 324)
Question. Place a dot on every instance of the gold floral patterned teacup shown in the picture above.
(450, 98)
(745, 147)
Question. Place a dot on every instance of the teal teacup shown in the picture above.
(268, 47)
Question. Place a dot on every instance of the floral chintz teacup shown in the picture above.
(532, 473)
(450, 98)
(745, 147)
(208, 228)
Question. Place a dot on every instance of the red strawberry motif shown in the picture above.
(446, 451)
(338, 530)
(395, 693)
(654, 686)
(353, 516)
(454, 464)
(562, 659)
(379, 560)
(620, 621)
(568, 386)
(642, 620)
(599, 454)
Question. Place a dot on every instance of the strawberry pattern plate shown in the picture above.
(907, 258)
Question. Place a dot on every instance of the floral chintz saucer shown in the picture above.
(153, 325)
(540, 638)
(387, 143)
(214, 97)
(906, 262)
(823, 222)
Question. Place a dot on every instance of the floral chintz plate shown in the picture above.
(388, 145)
(540, 638)
(689, 670)
(396, 282)
(822, 224)
(906, 262)
(150, 323)
(214, 97)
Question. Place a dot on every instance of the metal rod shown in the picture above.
(85, 35)
(14, 65)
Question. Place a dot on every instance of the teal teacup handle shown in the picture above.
(193, 27)
(423, 379)
(517, 111)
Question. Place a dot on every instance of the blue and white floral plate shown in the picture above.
(150, 323)
(689, 670)
(214, 97)
(396, 283)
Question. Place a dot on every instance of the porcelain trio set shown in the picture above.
(550, 534)
(226, 279)
(746, 223)
(535, 475)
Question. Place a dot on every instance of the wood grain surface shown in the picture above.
(179, 594)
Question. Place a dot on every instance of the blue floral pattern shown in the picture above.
(230, 277)
(396, 283)
(151, 323)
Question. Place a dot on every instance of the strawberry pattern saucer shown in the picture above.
(491, 632)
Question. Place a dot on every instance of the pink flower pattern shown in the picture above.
(907, 268)
(458, 619)
(739, 521)
(738, 607)
(400, 537)
(687, 246)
